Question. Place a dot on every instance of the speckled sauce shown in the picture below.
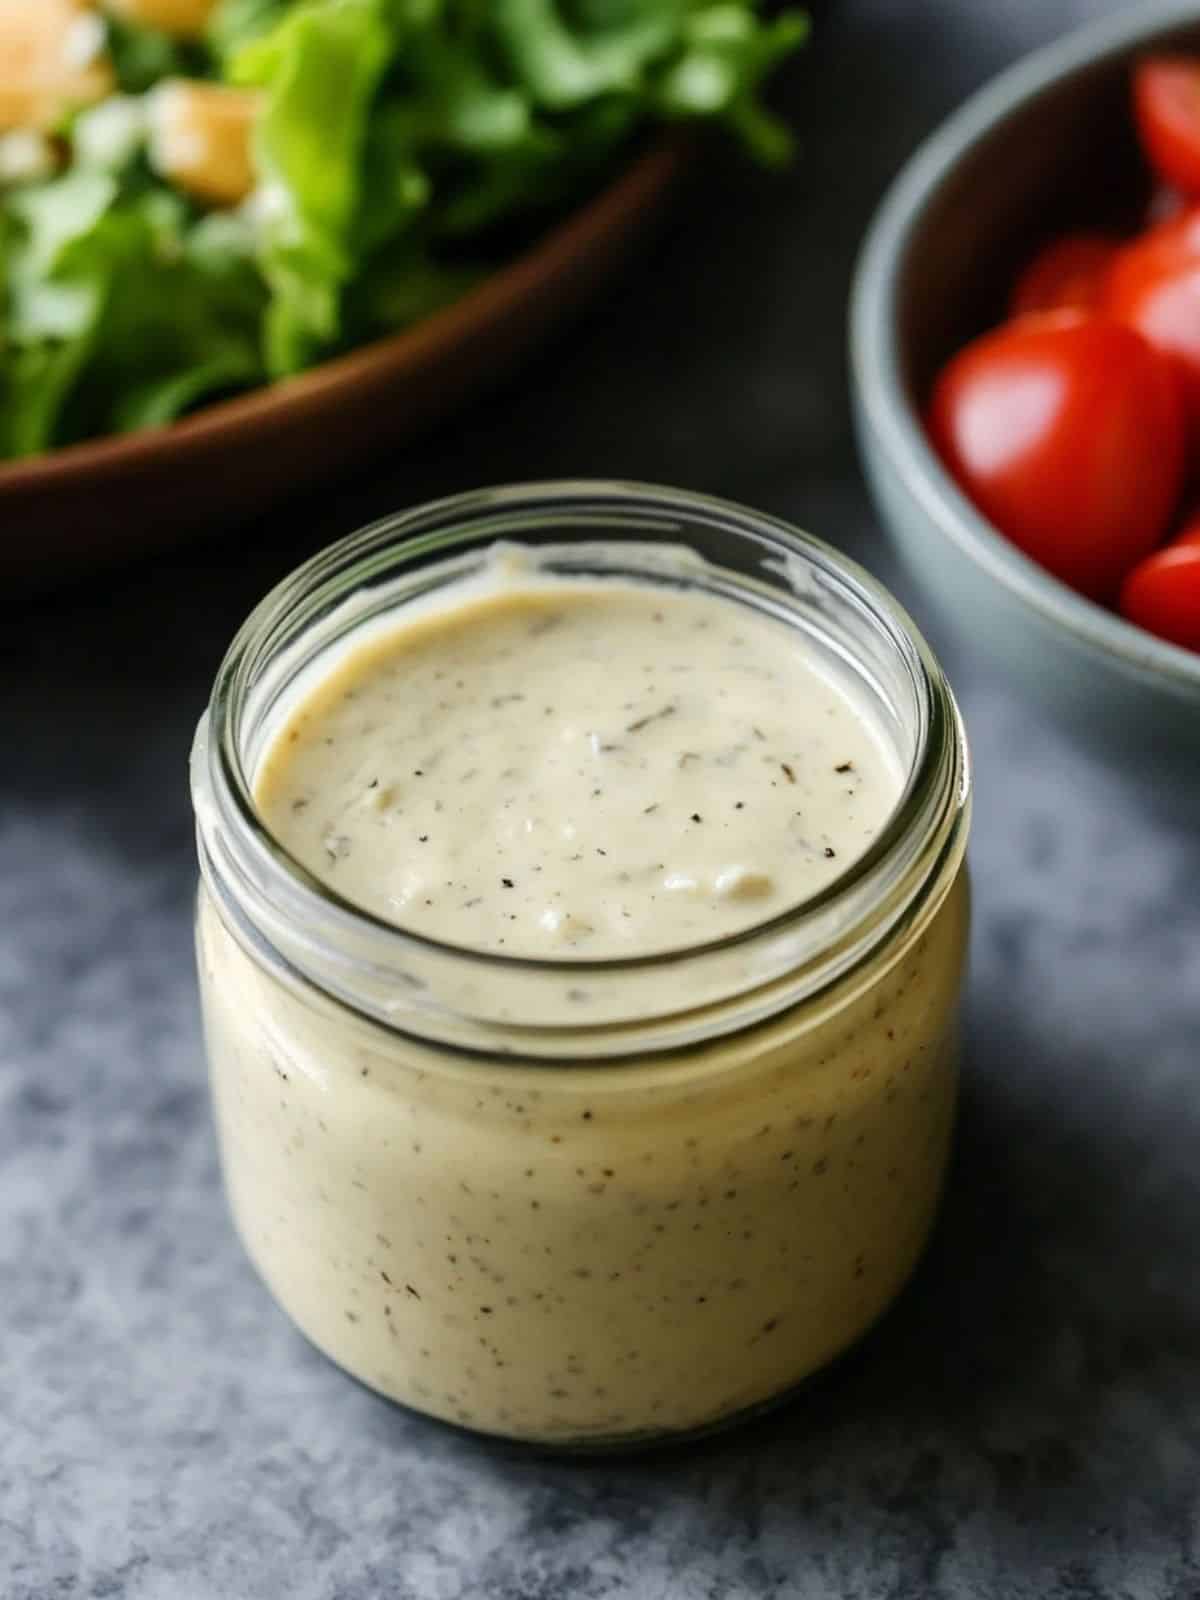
(581, 1252)
(569, 768)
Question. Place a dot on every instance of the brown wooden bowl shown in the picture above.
(88, 502)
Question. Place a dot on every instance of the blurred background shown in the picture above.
(1026, 1424)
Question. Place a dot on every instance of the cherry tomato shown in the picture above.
(1154, 286)
(1068, 432)
(1162, 594)
(1066, 275)
(1166, 108)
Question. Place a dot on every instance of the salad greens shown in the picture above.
(397, 146)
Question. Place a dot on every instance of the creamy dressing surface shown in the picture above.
(579, 769)
(583, 1251)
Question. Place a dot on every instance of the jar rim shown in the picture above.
(937, 783)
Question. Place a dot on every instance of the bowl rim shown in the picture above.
(875, 362)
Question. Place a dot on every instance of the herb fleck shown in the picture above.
(651, 716)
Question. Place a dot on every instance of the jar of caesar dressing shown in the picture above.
(581, 931)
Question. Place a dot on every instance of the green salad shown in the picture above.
(217, 206)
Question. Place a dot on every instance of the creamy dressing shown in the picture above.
(579, 769)
(570, 1252)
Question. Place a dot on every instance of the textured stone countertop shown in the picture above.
(1026, 1424)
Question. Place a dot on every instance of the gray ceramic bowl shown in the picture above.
(1047, 145)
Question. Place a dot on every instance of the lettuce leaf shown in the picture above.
(403, 148)
(319, 69)
(233, 23)
(141, 57)
(117, 316)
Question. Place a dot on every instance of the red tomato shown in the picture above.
(1065, 275)
(1166, 108)
(1162, 594)
(1068, 433)
(1154, 286)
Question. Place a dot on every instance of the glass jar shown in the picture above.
(584, 1203)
